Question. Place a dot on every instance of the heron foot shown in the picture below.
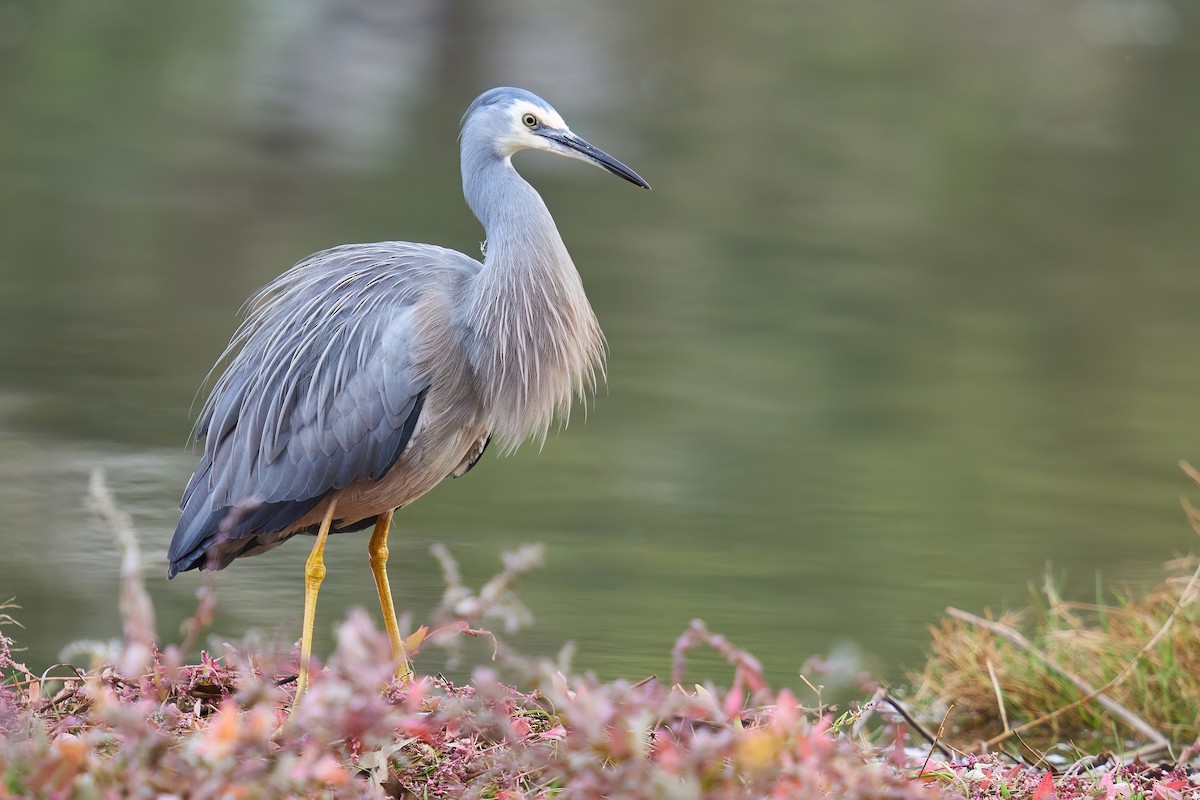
(379, 557)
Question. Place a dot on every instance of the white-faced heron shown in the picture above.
(367, 373)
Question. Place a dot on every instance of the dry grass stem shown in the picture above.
(1089, 692)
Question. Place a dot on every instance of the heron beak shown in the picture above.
(580, 149)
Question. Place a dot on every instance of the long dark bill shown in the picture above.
(594, 155)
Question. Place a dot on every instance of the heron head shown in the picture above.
(510, 120)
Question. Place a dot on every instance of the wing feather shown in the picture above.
(321, 388)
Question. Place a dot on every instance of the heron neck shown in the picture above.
(509, 208)
(536, 341)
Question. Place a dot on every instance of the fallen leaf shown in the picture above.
(1045, 789)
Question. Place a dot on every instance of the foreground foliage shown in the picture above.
(995, 777)
(142, 723)
(220, 728)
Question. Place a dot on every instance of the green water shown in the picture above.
(911, 311)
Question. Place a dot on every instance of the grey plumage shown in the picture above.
(368, 373)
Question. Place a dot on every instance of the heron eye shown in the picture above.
(529, 120)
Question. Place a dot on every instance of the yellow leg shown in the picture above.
(314, 573)
(379, 556)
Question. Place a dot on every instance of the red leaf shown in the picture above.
(1045, 789)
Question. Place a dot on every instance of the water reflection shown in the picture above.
(908, 314)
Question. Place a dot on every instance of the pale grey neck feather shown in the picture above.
(536, 342)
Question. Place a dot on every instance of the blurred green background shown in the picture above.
(911, 311)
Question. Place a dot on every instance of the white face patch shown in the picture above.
(520, 137)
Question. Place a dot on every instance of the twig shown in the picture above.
(933, 740)
(1090, 692)
(644, 682)
(1088, 763)
(936, 739)
(868, 709)
(68, 682)
(999, 696)
(1041, 757)
(1188, 753)
(1152, 750)
(816, 690)
(66, 693)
